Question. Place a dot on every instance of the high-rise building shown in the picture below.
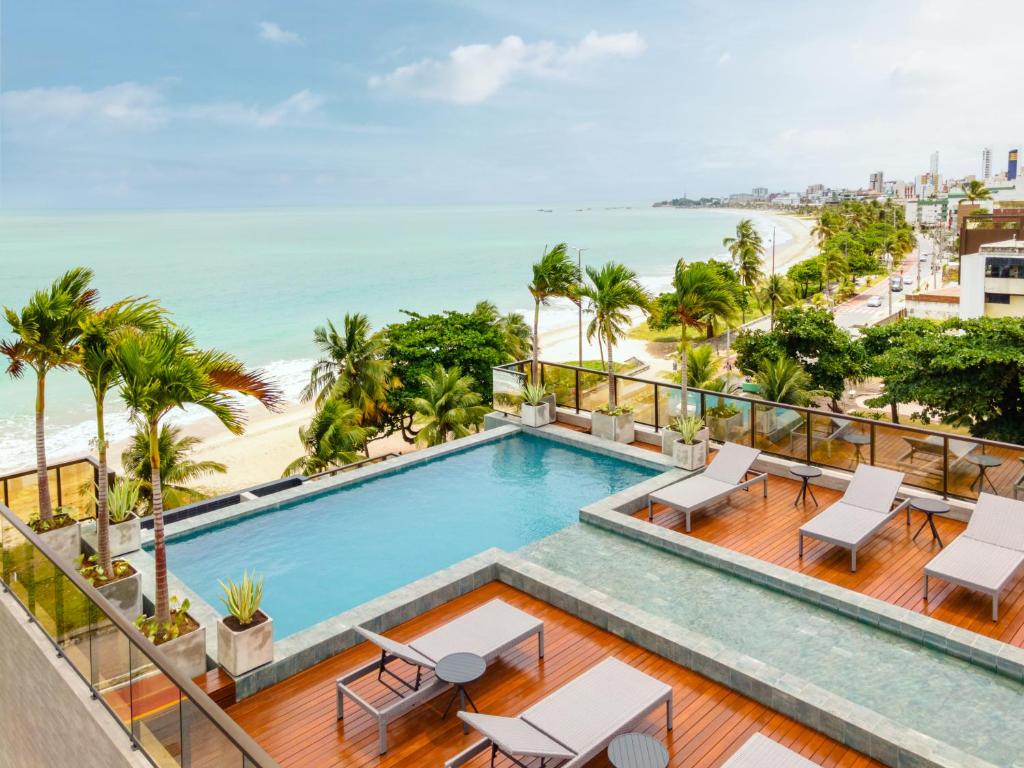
(1011, 166)
(986, 163)
(760, 193)
(877, 182)
(816, 189)
(933, 167)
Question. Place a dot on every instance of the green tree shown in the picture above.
(163, 370)
(448, 406)
(702, 366)
(514, 329)
(332, 438)
(554, 276)
(747, 250)
(776, 291)
(99, 334)
(178, 471)
(975, 190)
(805, 274)
(612, 293)
(784, 380)
(47, 331)
(833, 267)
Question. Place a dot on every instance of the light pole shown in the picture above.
(579, 303)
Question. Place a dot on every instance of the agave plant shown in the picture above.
(688, 427)
(242, 599)
(123, 499)
(534, 394)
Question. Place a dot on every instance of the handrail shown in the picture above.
(353, 465)
(249, 749)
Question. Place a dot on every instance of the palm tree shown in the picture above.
(700, 296)
(162, 370)
(48, 328)
(975, 190)
(331, 439)
(784, 380)
(352, 366)
(701, 366)
(776, 291)
(833, 267)
(449, 406)
(827, 226)
(613, 292)
(747, 250)
(177, 469)
(513, 327)
(554, 276)
(101, 331)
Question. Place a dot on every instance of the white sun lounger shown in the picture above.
(486, 631)
(866, 506)
(575, 723)
(724, 476)
(986, 555)
(761, 752)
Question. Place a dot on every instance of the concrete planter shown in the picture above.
(767, 419)
(723, 428)
(552, 403)
(65, 542)
(535, 415)
(668, 441)
(241, 652)
(619, 428)
(692, 456)
(124, 537)
(125, 594)
(187, 653)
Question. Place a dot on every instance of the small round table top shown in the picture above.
(459, 668)
(930, 506)
(637, 750)
(857, 438)
(805, 470)
(983, 459)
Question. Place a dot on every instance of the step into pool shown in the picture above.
(326, 554)
(977, 711)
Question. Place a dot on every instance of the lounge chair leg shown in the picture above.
(540, 643)
(926, 587)
(853, 560)
(765, 484)
(382, 730)
(668, 713)
(650, 510)
(687, 521)
(995, 607)
(801, 545)
(341, 703)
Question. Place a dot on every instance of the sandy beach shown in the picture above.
(271, 440)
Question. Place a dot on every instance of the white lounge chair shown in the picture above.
(833, 430)
(486, 631)
(575, 723)
(866, 506)
(724, 476)
(761, 752)
(986, 555)
(932, 449)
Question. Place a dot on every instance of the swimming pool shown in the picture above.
(328, 553)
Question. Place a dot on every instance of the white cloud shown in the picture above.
(274, 33)
(724, 58)
(473, 73)
(233, 113)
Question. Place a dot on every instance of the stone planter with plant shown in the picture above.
(125, 526)
(724, 419)
(122, 586)
(534, 410)
(181, 639)
(691, 449)
(61, 533)
(613, 423)
(245, 638)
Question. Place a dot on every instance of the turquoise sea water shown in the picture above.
(330, 553)
(257, 282)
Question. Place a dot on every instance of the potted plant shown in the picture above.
(245, 638)
(124, 526)
(669, 435)
(181, 638)
(122, 585)
(534, 409)
(61, 533)
(613, 423)
(691, 449)
(723, 419)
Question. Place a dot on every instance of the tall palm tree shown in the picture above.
(827, 226)
(613, 292)
(700, 295)
(162, 370)
(833, 267)
(449, 406)
(47, 329)
(100, 333)
(331, 439)
(776, 291)
(747, 250)
(702, 366)
(352, 366)
(975, 190)
(554, 276)
(177, 468)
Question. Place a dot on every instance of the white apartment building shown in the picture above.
(992, 281)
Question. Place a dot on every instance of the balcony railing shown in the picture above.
(163, 713)
(949, 464)
(72, 485)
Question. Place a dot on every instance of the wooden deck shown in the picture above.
(890, 567)
(295, 719)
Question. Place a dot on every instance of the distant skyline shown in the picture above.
(235, 104)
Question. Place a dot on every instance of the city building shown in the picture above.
(931, 212)
(876, 183)
(933, 166)
(939, 304)
(741, 197)
(986, 163)
(760, 193)
(992, 281)
(816, 190)
(1011, 166)
(786, 199)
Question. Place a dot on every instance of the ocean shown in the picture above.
(256, 282)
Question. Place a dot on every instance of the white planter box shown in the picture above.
(668, 441)
(621, 428)
(124, 537)
(187, 653)
(125, 594)
(693, 456)
(552, 403)
(723, 429)
(767, 420)
(241, 652)
(66, 542)
(534, 415)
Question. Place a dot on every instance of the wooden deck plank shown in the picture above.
(295, 719)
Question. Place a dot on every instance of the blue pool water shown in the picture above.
(325, 555)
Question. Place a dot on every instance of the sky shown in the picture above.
(242, 103)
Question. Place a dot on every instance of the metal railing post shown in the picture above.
(753, 425)
(810, 428)
(657, 419)
(703, 404)
(871, 451)
(577, 390)
(945, 467)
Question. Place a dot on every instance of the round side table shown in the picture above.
(858, 440)
(460, 669)
(805, 473)
(930, 507)
(984, 462)
(637, 750)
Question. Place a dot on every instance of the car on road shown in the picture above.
(924, 257)
(907, 281)
(896, 284)
(875, 301)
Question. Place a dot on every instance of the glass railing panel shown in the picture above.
(111, 668)
(76, 626)
(47, 600)
(917, 455)
(593, 390)
(77, 483)
(781, 431)
(562, 383)
(638, 396)
(669, 404)
(728, 419)
(206, 746)
(994, 469)
(156, 711)
(23, 494)
(837, 441)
